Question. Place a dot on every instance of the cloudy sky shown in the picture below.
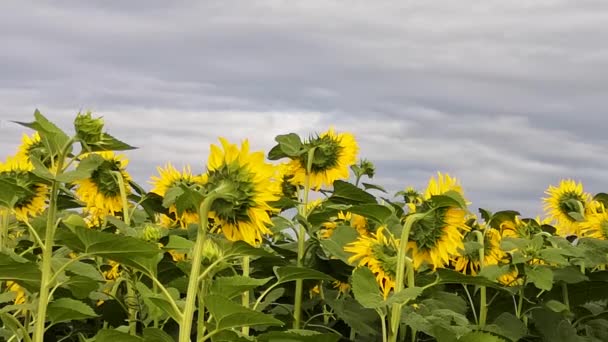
(509, 96)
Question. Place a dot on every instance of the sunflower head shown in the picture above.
(333, 154)
(566, 204)
(88, 129)
(101, 191)
(377, 251)
(468, 261)
(249, 185)
(169, 178)
(437, 237)
(32, 147)
(30, 199)
(595, 224)
(441, 185)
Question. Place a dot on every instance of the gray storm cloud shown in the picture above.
(507, 96)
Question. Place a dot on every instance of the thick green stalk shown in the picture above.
(3, 228)
(402, 264)
(47, 251)
(565, 295)
(297, 310)
(200, 327)
(47, 256)
(483, 306)
(127, 220)
(245, 295)
(185, 326)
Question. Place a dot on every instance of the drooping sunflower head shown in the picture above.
(441, 185)
(169, 177)
(377, 251)
(347, 218)
(31, 200)
(565, 204)
(595, 224)
(517, 228)
(244, 215)
(468, 262)
(285, 173)
(334, 153)
(437, 237)
(101, 191)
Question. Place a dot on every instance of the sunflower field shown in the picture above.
(293, 244)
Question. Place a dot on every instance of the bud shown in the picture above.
(88, 129)
(211, 251)
(151, 233)
(364, 168)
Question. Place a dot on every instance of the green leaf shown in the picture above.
(341, 236)
(346, 193)
(84, 169)
(14, 326)
(126, 250)
(50, 135)
(369, 186)
(109, 143)
(540, 276)
(569, 275)
(298, 336)
(509, 326)
(156, 335)
(82, 269)
(67, 309)
(228, 314)
(164, 305)
(556, 306)
(107, 335)
(480, 336)
(280, 223)
(365, 288)
(290, 144)
(26, 274)
(501, 216)
(290, 273)
(493, 272)
(242, 248)
(449, 199)
(178, 243)
(376, 212)
(361, 320)
(404, 296)
(81, 286)
(232, 286)
(11, 191)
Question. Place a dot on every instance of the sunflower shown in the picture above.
(568, 197)
(595, 224)
(32, 200)
(20, 297)
(333, 156)
(511, 278)
(101, 191)
(437, 237)
(245, 214)
(412, 198)
(468, 262)
(516, 228)
(378, 252)
(354, 220)
(441, 185)
(169, 177)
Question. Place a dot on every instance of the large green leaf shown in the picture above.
(156, 335)
(375, 212)
(232, 286)
(228, 314)
(447, 276)
(109, 143)
(365, 288)
(347, 193)
(290, 273)
(178, 243)
(126, 250)
(50, 135)
(84, 169)
(81, 286)
(107, 335)
(480, 336)
(361, 320)
(404, 296)
(290, 144)
(541, 276)
(509, 326)
(298, 336)
(340, 237)
(67, 309)
(24, 273)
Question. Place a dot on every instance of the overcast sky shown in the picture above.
(509, 96)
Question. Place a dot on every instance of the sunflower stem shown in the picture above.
(3, 227)
(403, 262)
(565, 295)
(245, 295)
(483, 306)
(200, 328)
(47, 251)
(185, 326)
(127, 219)
(297, 310)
